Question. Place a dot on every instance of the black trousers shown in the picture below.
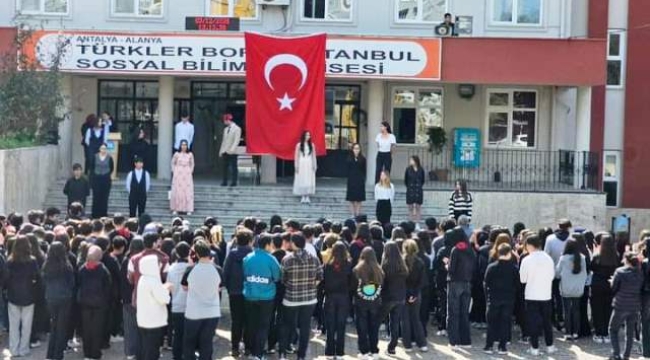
(113, 322)
(384, 211)
(571, 315)
(178, 326)
(425, 308)
(150, 342)
(441, 310)
(101, 185)
(477, 314)
(230, 169)
(296, 317)
(458, 300)
(276, 323)
(367, 316)
(585, 326)
(394, 311)
(92, 329)
(499, 319)
(237, 321)
(620, 318)
(337, 308)
(59, 317)
(645, 326)
(258, 317)
(601, 311)
(539, 320)
(384, 162)
(137, 204)
(198, 334)
(412, 329)
(558, 312)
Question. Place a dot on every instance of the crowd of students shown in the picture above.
(158, 286)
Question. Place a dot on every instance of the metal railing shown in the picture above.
(515, 169)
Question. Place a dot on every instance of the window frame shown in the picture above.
(510, 109)
(617, 178)
(231, 11)
(416, 89)
(135, 14)
(622, 51)
(325, 19)
(515, 14)
(399, 21)
(41, 10)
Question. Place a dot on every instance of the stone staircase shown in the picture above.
(231, 204)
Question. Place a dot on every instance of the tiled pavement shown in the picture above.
(582, 349)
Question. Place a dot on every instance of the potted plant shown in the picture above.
(437, 142)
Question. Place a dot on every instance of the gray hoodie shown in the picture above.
(571, 285)
(555, 244)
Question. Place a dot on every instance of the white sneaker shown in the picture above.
(533, 352)
(441, 333)
(307, 200)
(424, 349)
(408, 350)
(466, 346)
(117, 339)
(551, 349)
(606, 339)
(598, 339)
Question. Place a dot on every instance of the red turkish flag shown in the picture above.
(285, 93)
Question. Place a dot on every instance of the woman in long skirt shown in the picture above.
(101, 182)
(356, 189)
(304, 183)
(182, 199)
(384, 195)
(414, 181)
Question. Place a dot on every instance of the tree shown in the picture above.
(31, 101)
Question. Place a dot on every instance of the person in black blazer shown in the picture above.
(414, 181)
(356, 187)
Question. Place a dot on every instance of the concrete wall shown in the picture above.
(370, 17)
(25, 175)
(535, 210)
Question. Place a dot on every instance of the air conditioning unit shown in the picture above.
(274, 2)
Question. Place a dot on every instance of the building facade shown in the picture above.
(527, 76)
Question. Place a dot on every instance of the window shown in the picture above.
(512, 118)
(417, 11)
(48, 7)
(611, 177)
(415, 110)
(615, 54)
(342, 103)
(152, 8)
(132, 104)
(517, 12)
(243, 9)
(330, 10)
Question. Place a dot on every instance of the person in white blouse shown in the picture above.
(384, 195)
(385, 145)
(184, 130)
(138, 183)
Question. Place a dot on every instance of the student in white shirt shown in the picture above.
(384, 195)
(184, 130)
(537, 271)
(385, 144)
(138, 183)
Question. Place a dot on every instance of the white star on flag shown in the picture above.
(285, 102)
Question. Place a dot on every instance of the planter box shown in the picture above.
(25, 175)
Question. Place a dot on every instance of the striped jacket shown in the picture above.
(460, 205)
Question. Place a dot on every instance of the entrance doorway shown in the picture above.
(210, 100)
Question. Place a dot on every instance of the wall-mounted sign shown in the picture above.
(467, 147)
(208, 23)
(217, 54)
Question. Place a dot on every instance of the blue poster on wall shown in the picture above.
(467, 147)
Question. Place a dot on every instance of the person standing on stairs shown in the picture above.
(182, 195)
(304, 183)
(138, 183)
(356, 186)
(384, 195)
(228, 151)
(101, 182)
(385, 146)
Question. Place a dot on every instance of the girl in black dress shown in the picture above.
(101, 182)
(356, 189)
(414, 180)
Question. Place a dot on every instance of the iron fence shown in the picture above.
(515, 169)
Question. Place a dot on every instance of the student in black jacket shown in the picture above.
(233, 270)
(93, 295)
(20, 279)
(501, 283)
(112, 318)
(412, 328)
(58, 277)
(627, 285)
(394, 292)
(77, 188)
(460, 269)
(337, 282)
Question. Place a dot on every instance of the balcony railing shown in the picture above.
(515, 170)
